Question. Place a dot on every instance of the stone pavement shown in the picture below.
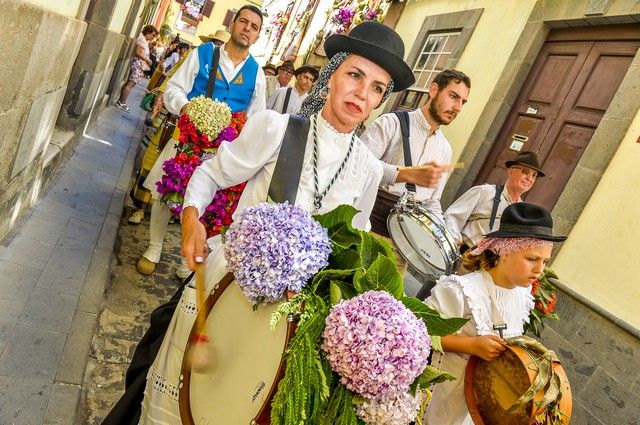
(53, 269)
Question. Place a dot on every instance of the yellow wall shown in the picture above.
(213, 23)
(63, 7)
(599, 258)
(484, 57)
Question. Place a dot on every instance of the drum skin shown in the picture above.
(248, 362)
(423, 241)
(492, 387)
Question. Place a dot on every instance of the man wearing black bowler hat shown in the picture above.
(477, 212)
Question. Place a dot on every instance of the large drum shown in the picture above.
(247, 365)
(422, 239)
(491, 388)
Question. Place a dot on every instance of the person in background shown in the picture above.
(288, 100)
(283, 76)
(240, 81)
(495, 297)
(218, 38)
(140, 63)
(478, 211)
(269, 70)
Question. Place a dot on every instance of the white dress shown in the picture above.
(466, 296)
(253, 156)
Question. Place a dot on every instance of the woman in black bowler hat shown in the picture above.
(364, 68)
(496, 298)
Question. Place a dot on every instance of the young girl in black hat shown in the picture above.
(496, 298)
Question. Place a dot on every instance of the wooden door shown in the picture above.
(558, 109)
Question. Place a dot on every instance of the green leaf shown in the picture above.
(335, 292)
(371, 247)
(436, 323)
(430, 376)
(436, 343)
(343, 236)
(549, 273)
(323, 279)
(381, 276)
(344, 259)
(339, 215)
(346, 288)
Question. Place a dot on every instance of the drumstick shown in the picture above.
(200, 353)
(453, 166)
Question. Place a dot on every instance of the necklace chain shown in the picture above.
(317, 196)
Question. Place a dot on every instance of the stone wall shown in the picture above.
(601, 357)
(39, 47)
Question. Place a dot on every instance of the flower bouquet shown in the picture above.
(343, 18)
(203, 127)
(545, 297)
(359, 354)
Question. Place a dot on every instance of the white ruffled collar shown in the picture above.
(327, 130)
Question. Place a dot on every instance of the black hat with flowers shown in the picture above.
(378, 43)
(524, 220)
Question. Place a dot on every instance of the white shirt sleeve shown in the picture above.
(447, 297)
(380, 136)
(459, 212)
(273, 100)
(365, 202)
(235, 162)
(258, 102)
(181, 83)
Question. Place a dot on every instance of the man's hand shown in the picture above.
(194, 238)
(184, 108)
(427, 175)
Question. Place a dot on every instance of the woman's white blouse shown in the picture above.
(252, 157)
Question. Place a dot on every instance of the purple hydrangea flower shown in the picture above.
(376, 345)
(271, 248)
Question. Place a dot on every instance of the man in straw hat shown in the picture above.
(219, 38)
(239, 82)
(288, 100)
(478, 211)
(284, 72)
(364, 68)
(429, 148)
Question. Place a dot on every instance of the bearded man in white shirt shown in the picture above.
(447, 95)
(239, 82)
(288, 100)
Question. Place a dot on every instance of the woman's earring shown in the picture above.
(324, 93)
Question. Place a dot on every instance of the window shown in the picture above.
(432, 59)
(438, 46)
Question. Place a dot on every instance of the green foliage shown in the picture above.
(310, 392)
(429, 377)
(437, 325)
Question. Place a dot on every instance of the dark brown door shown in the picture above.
(558, 109)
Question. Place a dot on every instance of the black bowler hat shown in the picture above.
(528, 159)
(523, 220)
(308, 68)
(378, 43)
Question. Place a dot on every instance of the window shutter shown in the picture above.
(207, 8)
(229, 18)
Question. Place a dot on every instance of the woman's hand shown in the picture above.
(488, 347)
(194, 238)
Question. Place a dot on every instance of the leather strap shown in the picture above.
(496, 202)
(403, 117)
(286, 175)
(213, 71)
(286, 100)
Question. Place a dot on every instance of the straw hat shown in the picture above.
(220, 35)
